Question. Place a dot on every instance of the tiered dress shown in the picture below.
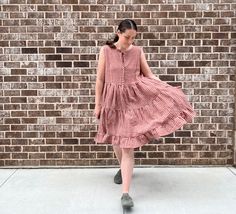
(137, 109)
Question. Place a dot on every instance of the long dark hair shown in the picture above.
(123, 26)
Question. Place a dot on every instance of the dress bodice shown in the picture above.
(122, 67)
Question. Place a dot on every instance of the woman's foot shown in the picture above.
(126, 201)
(118, 177)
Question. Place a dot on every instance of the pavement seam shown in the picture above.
(8, 178)
(231, 171)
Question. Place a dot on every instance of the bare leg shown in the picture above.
(127, 165)
(118, 152)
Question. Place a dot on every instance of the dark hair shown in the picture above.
(123, 26)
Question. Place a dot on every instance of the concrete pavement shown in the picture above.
(155, 190)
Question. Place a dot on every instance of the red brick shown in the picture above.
(19, 155)
(45, 8)
(104, 155)
(29, 92)
(29, 50)
(18, 127)
(53, 155)
(10, 8)
(185, 63)
(37, 155)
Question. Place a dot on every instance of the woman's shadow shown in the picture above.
(146, 188)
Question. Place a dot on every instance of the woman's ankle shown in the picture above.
(125, 192)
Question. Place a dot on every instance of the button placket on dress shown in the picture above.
(123, 68)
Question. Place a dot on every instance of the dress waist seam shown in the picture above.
(124, 83)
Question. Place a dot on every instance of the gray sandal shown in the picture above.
(118, 177)
(126, 201)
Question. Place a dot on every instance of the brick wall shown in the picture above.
(48, 57)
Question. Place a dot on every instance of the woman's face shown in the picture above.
(126, 38)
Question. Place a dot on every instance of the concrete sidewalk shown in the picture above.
(160, 190)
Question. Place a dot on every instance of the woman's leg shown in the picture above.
(127, 165)
(118, 152)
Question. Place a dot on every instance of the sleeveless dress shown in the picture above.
(136, 109)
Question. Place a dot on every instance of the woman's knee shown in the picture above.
(127, 151)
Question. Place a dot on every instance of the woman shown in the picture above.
(132, 105)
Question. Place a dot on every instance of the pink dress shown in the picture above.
(136, 109)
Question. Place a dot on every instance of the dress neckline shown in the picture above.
(125, 51)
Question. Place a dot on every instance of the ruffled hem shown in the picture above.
(144, 138)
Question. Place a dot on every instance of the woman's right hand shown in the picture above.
(97, 111)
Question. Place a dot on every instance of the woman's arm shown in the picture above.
(145, 67)
(100, 77)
